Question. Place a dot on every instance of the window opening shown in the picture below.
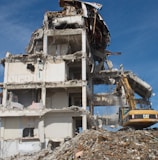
(28, 132)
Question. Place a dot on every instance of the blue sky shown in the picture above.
(133, 27)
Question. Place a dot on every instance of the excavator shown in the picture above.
(131, 115)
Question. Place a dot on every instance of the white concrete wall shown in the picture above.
(60, 100)
(30, 122)
(58, 126)
(57, 100)
(29, 147)
(12, 141)
(18, 72)
(11, 130)
(13, 126)
(13, 147)
(56, 72)
(9, 148)
(51, 72)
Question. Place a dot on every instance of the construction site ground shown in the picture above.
(102, 145)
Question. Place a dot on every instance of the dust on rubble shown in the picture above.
(103, 145)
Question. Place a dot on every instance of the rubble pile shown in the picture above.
(103, 145)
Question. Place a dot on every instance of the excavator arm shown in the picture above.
(128, 91)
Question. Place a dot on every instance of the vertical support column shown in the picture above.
(41, 132)
(84, 92)
(45, 43)
(6, 70)
(84, 122)
(2, 139)
(4, 100)
(84, 79)
(91, 95)
(46, 21)
(43, 96)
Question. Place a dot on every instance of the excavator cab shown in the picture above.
(137, 118)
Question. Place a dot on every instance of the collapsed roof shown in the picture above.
(75, 14)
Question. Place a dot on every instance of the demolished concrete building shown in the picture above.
(48, 92)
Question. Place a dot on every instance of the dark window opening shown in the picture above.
(52, 144)
(77, 125)
(31, 67)
(24, 96)
(28, 132)
(74, 70)
(75, 99)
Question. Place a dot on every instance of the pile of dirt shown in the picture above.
(103, 145)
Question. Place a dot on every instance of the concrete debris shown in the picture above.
(35, 106)
(101, 144)
(15, 105)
